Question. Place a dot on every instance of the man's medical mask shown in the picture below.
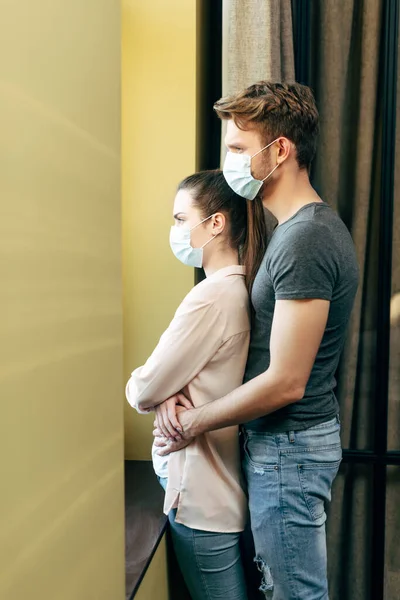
(237, 172)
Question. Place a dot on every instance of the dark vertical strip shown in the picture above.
(176, 584)
(389, 88)
(389, 92)
(209, 83)
(301, 10)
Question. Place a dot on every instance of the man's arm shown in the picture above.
(296, 334)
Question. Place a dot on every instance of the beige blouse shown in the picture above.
(202, 353)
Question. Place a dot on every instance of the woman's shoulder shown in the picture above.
(226, 295)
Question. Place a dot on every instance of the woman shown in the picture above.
(203, 354)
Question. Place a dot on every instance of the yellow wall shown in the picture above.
(158, 149)
(61, 425)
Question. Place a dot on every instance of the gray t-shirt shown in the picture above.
(309, 256)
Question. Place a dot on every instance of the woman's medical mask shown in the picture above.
(237, 172)
(180, 243)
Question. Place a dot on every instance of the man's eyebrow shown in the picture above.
(177, 214)
(234, 145)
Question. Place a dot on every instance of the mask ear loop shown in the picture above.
(214, 236)
(210, 240)
(265, 147)
(206, 219)
(273, 171)
(262, 150)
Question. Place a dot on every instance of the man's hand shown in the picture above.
(165, 447)
(190, 422)
(166, 417)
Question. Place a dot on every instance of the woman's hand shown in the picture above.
(165, 447)
(166, 420)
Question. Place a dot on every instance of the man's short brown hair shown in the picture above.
(278, 109)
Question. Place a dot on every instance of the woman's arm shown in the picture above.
(191, 340)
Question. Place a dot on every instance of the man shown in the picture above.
(302, 299)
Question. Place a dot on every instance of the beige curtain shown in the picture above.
(257, 43)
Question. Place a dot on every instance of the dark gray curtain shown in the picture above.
(346, 38)
(345, 72)
(392, 578)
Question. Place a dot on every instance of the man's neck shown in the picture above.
(287, 195)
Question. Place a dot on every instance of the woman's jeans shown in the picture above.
(210, 562)
(289, 478)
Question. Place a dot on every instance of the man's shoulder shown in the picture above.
(315, 244)
(316, 225)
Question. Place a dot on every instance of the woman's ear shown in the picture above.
(218, 223)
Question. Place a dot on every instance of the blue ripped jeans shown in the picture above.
(289, 478)
(210, 562)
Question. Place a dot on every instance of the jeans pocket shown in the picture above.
(316, 483)
(257, 452)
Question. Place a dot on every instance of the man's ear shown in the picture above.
(284, 148)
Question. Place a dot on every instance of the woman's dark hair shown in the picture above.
(245, 218)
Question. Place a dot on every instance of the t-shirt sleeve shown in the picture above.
(304, 265)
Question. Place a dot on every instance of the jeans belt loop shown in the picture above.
(291, 437)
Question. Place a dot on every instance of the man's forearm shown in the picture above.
(260, 396)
